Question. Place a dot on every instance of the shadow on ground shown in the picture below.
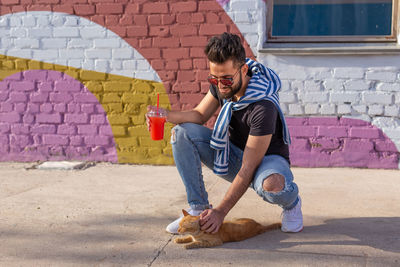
(376, 232)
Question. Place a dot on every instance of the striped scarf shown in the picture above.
(263, 85)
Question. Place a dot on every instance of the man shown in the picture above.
(248, 145)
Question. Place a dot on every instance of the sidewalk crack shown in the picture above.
(159, 252)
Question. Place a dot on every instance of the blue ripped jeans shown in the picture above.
(191, 147)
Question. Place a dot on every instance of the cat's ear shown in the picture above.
(185, 213)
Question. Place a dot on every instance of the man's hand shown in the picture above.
(211, 220)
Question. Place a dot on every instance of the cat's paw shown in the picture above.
(180, 240)
(190, 246)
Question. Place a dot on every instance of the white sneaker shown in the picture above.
(173, 227)
(292, 220)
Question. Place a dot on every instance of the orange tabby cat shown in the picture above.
(229, 231)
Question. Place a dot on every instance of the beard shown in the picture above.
(232, 90)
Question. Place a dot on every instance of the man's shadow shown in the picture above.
(377, 232)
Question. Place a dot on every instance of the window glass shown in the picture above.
(332, 18)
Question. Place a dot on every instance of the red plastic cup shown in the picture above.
(157, 122)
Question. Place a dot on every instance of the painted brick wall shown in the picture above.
(342, 110)
(76, 77)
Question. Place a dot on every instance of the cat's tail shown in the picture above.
(266, 228)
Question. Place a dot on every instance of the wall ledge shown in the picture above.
(330, 48)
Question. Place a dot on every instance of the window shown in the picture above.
(332, 20)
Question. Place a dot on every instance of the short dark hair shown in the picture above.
(224, 47)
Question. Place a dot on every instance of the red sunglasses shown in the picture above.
(225, 81)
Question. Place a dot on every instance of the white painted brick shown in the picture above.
(88, 64)
(328, 109)
(383, 76)
(363, 117)
(377, 98)
(85, 22)
(18, 32)
(45, 54)
(62, 61)
(342, 97)
(107, 43)
(101, 65)
(76, 63)
(248, 28)
(92, 32)
(242, 5)
(54, 43)
(38, 33)
(116, 64)
(285, 86)
(252, 39)
(71, 21)
(43, 21)
(297, 86)
(360, 108)
(129, 64)
(255, 16)
(284, 108)
(321, 73)
(312, 97)
(146, 75)
(231, 14)
(392, 111)
(66, 32)
(333, 84)
(397, 98)
(295, 109)
(312, 85)
(57, 20)
(71, 53)
(388, 87)
(3, 21)
(15, 21)
(393, 133)
(128, 73)
(375, 110)
(98, 53)
(385, 122)
(142, 65)
(26, 43)
(349, 73)
(122, 53)
(287, 97)
(344, 109)
(79, 43)
(242, 17)
(357, 85)
(25, 53)
(7, 43)
(311, 109)
(29, 21)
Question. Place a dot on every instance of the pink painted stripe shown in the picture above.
(332, 142)
(43, 117)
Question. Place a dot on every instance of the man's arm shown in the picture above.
(200, 114)
(255, 150)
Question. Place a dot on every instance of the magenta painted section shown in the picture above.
(48, 115)
(340, 142)
(223, 2)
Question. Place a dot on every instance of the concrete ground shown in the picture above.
(115, 215)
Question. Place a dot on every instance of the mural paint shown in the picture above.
(121, 55)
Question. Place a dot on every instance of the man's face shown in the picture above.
(227, 70)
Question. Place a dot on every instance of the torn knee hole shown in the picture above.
(173, 136)
(274, 183)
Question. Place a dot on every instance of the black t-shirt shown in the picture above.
(259, 118)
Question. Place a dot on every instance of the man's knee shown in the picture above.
(274, 183)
